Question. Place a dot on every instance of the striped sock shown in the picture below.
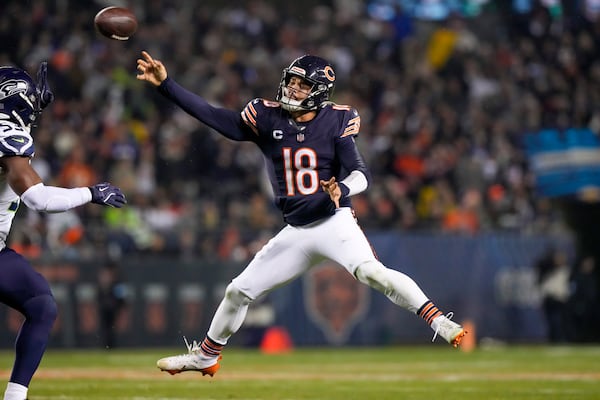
(429, 312)
(210, 348)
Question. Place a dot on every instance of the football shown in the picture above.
(116, 23)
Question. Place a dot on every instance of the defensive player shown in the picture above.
(21, 287)
(309, 146)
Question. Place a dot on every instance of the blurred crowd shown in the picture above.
(444, 107)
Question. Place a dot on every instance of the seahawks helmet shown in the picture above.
(21, 99)
(315, 71)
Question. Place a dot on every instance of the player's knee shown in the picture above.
(41, 308)
(372, 273)
(235, 295)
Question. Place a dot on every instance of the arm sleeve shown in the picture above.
(359, 178)
(356, 182)
(227, 122)
(54, 199)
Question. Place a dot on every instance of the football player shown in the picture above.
(21, 287)
(314, 165)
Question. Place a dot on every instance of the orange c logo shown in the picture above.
(329, 74)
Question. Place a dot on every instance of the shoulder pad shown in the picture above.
(269, 103)
(351, 119)
(15, 140)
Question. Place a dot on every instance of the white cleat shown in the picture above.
(194, 360)
(448, 329)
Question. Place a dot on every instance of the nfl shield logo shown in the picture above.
(300, 137)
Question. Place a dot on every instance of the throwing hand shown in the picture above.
(150, 69)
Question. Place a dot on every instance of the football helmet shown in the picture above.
(21, 99)
(314, 70)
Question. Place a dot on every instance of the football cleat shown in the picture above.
(448, 329)
(194, 360)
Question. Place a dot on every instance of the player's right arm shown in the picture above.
(28, 185)
(227, 122)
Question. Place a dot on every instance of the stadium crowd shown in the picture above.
(444, 106)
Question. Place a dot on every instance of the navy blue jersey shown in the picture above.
(297, 155)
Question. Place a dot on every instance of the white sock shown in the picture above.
(14, 391)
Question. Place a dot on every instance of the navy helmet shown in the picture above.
(314, 70)
(22, 99)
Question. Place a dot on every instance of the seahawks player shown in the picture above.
(21, 287)
(309, 146)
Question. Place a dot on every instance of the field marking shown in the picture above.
(111, 374)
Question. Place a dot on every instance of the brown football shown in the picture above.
(116, 23)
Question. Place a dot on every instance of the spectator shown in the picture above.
(455, 118)
(583, 303)
(111, 301)
(553, 273)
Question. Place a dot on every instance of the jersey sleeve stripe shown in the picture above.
(352, 128)
(249, 117)
(252, 109)
(248, 120)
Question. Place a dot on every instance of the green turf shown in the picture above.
(398, 373)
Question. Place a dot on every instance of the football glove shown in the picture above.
(106, 194)
(46, 95)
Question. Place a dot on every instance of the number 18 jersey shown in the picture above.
(299, 155)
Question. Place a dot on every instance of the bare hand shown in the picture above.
(150, 70)
(333, 189)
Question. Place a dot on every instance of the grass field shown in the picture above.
(398, 373)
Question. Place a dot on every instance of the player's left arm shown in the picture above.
(359, 178)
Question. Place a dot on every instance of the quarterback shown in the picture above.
(308, 143)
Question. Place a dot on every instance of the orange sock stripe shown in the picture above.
(429, 312)
(210, 347)
(433, 316)
(426, 308)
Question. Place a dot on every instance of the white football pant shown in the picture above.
(293, 251)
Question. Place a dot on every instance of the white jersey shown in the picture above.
(14, 141)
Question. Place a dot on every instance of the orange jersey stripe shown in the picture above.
(352, 128)
(248, 120)
(252, 109)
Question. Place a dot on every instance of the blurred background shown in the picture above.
(480, 123)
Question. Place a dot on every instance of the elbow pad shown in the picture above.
(55, 199)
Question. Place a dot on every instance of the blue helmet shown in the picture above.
(314, 70)
(21, 99)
